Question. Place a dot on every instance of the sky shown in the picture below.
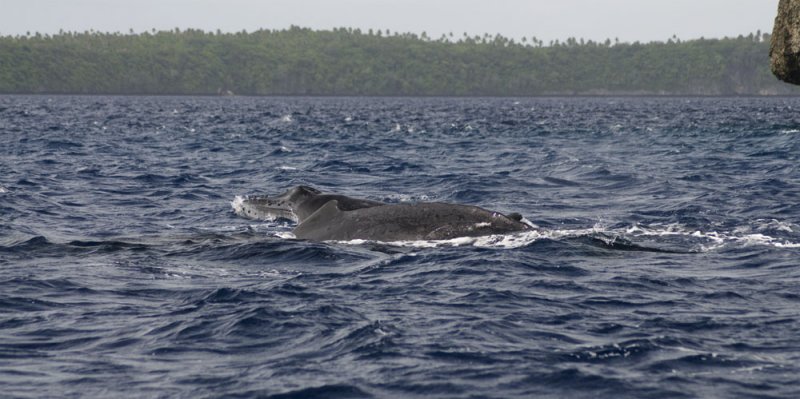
(627, 20)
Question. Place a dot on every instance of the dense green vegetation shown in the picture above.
(300, 61)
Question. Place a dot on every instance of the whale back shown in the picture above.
(404, 222)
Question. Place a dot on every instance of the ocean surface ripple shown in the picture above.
(664, 263)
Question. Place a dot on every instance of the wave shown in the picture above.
(623, 239)
(333, 391)
(42, 246)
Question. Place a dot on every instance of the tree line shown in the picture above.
(300, 61)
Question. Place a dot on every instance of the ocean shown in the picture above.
(664, 262)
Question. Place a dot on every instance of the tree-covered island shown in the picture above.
(299, 61)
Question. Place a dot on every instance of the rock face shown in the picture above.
(785, 47)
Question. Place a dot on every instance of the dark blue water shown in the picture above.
(666, 262)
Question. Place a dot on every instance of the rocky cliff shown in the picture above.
(785, 50)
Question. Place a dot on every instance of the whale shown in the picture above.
(333, 217)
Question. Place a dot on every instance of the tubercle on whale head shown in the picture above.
(281, 206)
(287, 205)
(264, 207)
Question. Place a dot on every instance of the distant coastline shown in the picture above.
(346, 62)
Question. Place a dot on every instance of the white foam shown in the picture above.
(702, 241)
(504, 241)
(500, 241)
(238, 205)
(3, 190)
(786, 245)
(287, 168)
(714, 240)
(741, 235)
(286, 118)
(765, 224)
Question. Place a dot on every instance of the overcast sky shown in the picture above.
(628, 20)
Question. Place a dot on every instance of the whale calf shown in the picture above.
(326, 217)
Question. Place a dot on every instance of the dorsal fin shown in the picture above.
(315, 226)
(515, 216)
(327, 211)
